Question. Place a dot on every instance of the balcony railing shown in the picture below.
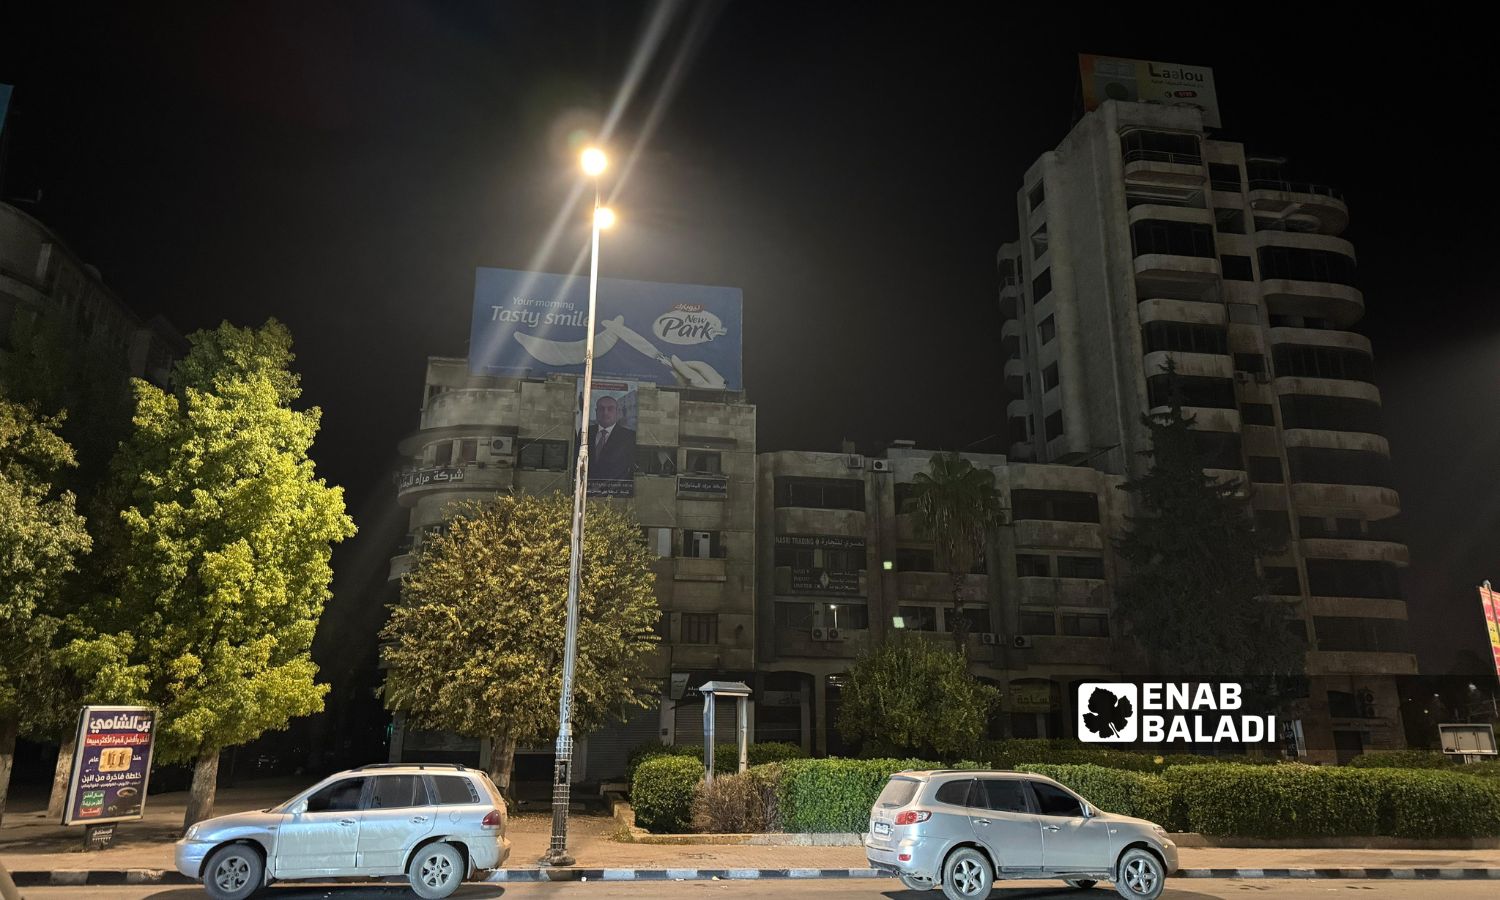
(1180, 159)
(1295, 187)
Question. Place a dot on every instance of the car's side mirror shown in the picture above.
(298, 808)
(1088, 811)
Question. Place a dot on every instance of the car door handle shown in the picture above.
(981, 821)
(1049, 827)
(346, 821)
(418, 820)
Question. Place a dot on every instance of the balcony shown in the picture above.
(1341, 304)
(1327, 387)
(1055, 650)
(1302, 206)
(1356, 549)
(400, 565)
(1022, 451)
(809, 520)
(414, 484)
(1172, 273)
(694, 569)
(1037, 591)
(1017, 408)
(1320, 337)
(1372, 501)
(1057, 535)
(1193, 312)
(1360, 662)
(1155, 167)
(1010, 338)
(800, 642)
(1204, 365)
(1336, 440)
(493, 407)
(939, 586)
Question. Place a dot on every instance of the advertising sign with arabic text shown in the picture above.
(111, 765)
(534, 324)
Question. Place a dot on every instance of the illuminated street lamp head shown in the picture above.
(594, 162)
(604, 217)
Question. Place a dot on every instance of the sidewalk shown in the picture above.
(29, 842)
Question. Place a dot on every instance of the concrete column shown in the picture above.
(806, 725)
(668, 720)
(820, 714)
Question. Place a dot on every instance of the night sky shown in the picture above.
(344, 167)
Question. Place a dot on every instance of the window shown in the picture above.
(1161, 146)
(1050, 377)
(905, 496)
(1047, 330)
(914, 559)
(548, 456)
(454, 790)
(1217, 449)
(854, 616)
(396, 791)
(1254, 363)
(1172, 238)
(795, 616)
(1301, 264)
(1034, 622)
(1060, 506)
(1194, 390)
(976, 618)
(1331, 413)
(821, 493)
(1003, 794)
(846, 560)
(1224, 177)
(468, 452)
(435, 389)
(659, 540)
(1039, 243)
(1036, 195)
(1085, 625)
(1342, 705)
(656, 460)
(442, 453)
(1298, 361)
(1033, 565)
(955, 793)
(1054, 801)
(1354, 633)
(1244, 313)
(1054, 425)
(1266, 470)
(1353, 578)
(1182, 337)
(1282, 580)
(1257, 414)
(897, 792)
(1041, 286)
(1231, 221)
(1080, 567)
(1274, 527)
(341, 796)
(702, 545)
(1236, 268)
(918, 618)
(1325, 465)
(705, 462)
(700, 628)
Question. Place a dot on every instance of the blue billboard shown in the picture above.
(532, 324)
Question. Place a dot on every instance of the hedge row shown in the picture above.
(726, 756)
(661, 792)
(1008, 754)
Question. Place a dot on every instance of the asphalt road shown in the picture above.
(1197, 889)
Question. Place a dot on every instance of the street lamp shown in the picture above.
(594, 163)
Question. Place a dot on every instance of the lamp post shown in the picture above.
(594, 163)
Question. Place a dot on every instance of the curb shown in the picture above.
(114, 877)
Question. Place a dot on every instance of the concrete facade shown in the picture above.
(694, 494)
(1145, 240)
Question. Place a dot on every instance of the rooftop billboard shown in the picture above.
(1145, 81)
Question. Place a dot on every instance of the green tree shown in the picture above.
(218, 564)
(910, 696)
(476, 642)
(41, 538)
(956, 508)
(1193, 598)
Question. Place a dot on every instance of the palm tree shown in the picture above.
(956, 506)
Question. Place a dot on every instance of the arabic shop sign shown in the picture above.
(419, 477)
(111, 765)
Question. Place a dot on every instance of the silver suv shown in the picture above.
(433, 823)
(963, 830)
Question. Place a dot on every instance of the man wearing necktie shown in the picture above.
(611, 444)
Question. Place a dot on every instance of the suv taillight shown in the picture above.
(491, 820)
(912, 816)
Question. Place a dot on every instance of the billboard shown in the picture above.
(532, 324)
(1491, 603)
(1144, 81)
(612, 427)
(825, 565)
(111, 765)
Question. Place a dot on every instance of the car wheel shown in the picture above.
(915, 884)
(1141, 875)
(436, 871)
(233, 872)
(967, 875)
(1082, 884)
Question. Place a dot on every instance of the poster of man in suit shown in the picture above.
(612, 425)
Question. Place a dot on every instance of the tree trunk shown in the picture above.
(502, 763)
(8, 729)
(59, 797)
(960, 617)
(201, 797)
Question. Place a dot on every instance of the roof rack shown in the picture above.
(457, 766)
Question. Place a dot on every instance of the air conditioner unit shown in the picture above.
(835, 635)
(880, 465)
(854, 461)
(988, 639)
(1021, 642)
(502, 446)
(819, 634)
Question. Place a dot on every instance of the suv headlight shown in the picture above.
(192, 833)
(1160, 831)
